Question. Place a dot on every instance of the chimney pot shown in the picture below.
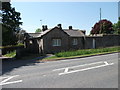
(44, 27)
(70, 27)
(59, 26)
(83, 31)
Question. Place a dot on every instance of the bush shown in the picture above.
(11, 54)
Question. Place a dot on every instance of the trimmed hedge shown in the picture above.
(8, 49)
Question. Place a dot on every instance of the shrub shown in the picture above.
(11, 54)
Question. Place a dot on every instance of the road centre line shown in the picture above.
(86, 69)
(79, 65)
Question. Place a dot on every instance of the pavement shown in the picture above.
(88, 72)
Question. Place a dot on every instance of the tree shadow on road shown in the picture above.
(10, 64)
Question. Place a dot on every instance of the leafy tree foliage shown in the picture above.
(10, 24)
(116, 27)
(38, 30)
(102, 27)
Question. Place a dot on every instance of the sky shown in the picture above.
(79, 15)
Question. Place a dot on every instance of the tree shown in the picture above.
(116, 27)
(10, 24)
(38, 30)
(20, 36)
(102, 27)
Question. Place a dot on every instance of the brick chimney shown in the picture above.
(83, 31)
(59, 26)
(44, 27)
(70, 27)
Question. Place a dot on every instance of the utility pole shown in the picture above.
(118, 10)
(100, 14)
(100, 23)
(41, 23)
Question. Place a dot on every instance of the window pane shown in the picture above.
(59, 42)
(56, 42)
(74, 41)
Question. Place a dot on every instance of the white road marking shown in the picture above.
(4, 82)
(79, 65)
(66, 70)
(44, 75)
(4, 77)
(11, 82)
(106, 63)
(8, 78)
(86, 69)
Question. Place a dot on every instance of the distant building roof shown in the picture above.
(34, 34)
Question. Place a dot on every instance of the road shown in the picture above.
(90, 72)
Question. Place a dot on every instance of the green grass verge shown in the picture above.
(11, 54)
(85, 52)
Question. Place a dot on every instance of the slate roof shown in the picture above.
(34, 34)
(71, 33)
(74, 32)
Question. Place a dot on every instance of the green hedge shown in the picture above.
(8, 49)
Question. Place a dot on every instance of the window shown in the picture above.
(75, 41)
(30, 42)
(56, 42)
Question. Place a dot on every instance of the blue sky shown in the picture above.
(80, 15)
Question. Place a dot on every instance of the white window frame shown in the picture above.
(31, 42)
(75, 41)
(56, 42)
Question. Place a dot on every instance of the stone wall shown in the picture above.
(111, 40)
(32, 45)
(80, 43)
(102, 41)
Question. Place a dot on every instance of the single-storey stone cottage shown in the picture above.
(58, 39)
(55, 40)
